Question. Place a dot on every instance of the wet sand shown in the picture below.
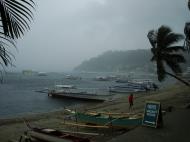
(176, 129)
(177, 97)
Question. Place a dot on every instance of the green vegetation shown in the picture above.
(187, 32)
(15, 16)
(117, 61)
(12, 129)
(166, 52)
(131, 60)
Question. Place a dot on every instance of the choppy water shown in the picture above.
(18, 94)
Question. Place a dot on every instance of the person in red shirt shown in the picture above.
(130, 99)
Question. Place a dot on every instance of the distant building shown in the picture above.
(28, 72)
(42, 74)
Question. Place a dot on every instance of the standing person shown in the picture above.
(130, 99)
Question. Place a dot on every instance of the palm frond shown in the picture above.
(163, 31)
(5, 55)
(152, 36)
(7, 39)
(153, 59)
(16, 16)
(187, 36)
(154, 52)
(172, 38)
(175, 67)
(187, 45)
(173, 61)
(164, 52)
(174, 49)
(174, 58)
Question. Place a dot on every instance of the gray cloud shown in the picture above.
(67, 32)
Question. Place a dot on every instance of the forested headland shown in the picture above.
(123, 61)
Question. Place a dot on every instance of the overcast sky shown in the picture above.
(66, 32)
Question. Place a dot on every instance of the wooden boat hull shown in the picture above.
(78, 96)
(106, 120)
(125, 91)
(127, 88)
(51, 135)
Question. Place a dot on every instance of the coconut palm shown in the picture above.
(187, 32)
(5, 55)
(165, 52)
(187, 36)
(15, 17)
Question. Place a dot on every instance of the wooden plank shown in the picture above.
(82, 133)
(113, 113)
(85, 125)
(108, 113)
(46, 138)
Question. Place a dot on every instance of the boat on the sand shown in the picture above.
(110, 120)
(49, 135)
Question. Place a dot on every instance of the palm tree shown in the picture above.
(187, 36)
(166, 53)
(187, 32)
(15, 16)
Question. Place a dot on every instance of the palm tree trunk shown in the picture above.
(178, 78)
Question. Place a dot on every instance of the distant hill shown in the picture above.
(118, 61)
(130, 60)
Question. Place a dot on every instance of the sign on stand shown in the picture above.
(152, 114)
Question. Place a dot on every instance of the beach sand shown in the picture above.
(176, 129)
(176, 97)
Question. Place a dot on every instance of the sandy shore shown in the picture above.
(176, 129)
(177, 97)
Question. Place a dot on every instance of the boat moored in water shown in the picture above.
(133, 86)
(79, 94)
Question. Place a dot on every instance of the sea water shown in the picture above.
(18, 94)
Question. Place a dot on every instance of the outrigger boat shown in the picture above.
(125, 120)
(71, 92)
(127, 88)
(133, 86)
(49, 135)
(79, 95)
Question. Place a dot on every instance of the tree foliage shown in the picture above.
(165, 51)
(15, 17)
(122, 61)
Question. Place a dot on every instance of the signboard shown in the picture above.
(152, 114)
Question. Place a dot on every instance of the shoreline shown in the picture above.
(172, 96)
